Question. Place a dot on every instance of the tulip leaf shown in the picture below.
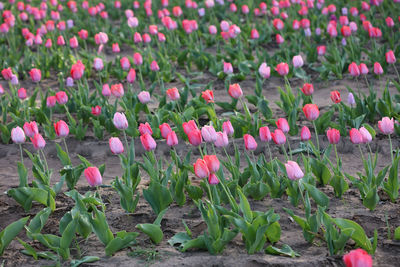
(152, 230)
(392, 185)
(25, 196)
(319, 197)
(121, 241)
(23, 175)
(286, 250)
(10, 232)
(245, 206)
(321, 171)
(358, 235)
(100, 226)
(397, 233)
(86, 259)
(38, 222)
(158, 196)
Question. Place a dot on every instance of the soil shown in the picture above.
(97, 152)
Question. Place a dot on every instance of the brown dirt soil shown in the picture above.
(350, 207)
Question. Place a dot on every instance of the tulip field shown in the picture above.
(199, 133)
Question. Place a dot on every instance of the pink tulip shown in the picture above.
(264, 70)
(131, 77)
(311, 111)
(173, 93)
(228, 69)
(116, 146)
(144, 97)
(212, 163)
(125, 64)
(355, 136)
(353, 70)
(222, 139)
(357, 258)
(145, 128)
(200, 168)
(51, 101)
(366, 135)
(61, 128)
(390, 57)
(36, 75)
(148, 142)
(189, 126)
(297, 61)
(265, 134)
(279, 137)
(293, 170)
(30, 129)
(77, 70)
(22, 93)
(228, 128)
(282, 69)
(307, 89)
(98, 64)
(61, 97)
(17, 135)
(165, 129)
(209, 134)
(172, 139)
(235, 91)
(283, 125)
(249, 142)
(305, 134)
(96, 111)
(208, 96)
(117, 90)
(93, 176)
(378, 68)
(333, 136)
(213, 179)
(195, 137)
(120, 121)
(38, 141)
(386, 125)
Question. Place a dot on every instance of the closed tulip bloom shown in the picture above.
(7, 74)
(173, 93)
(283, 125)
(235, 91)
(305, 134)
(98, 64)
(131, 77)
(30, 129)
(378, 68)
(208, 96)
(228, 69)
(386, 125)
(106, 91)
(120, 121)
(148, 142)
(298, 61)
(144, 97)
(228, 128)
(69, 82)
(363, 69)
(165, 129)
(311, 111)
(125, 64)
(213, 179)
(200, 169)
(265, 134)
(60, 41)
(77, 70)
(154, 66)
(282, 69)
(353, 70)
(172, 139)
(189, 126)
(61, 97)
(293, 170)
(212, 163)
(209, 134)
(22, 93)
(357, 258)
(350, 99)
(116, 146)
(36, 75)
(335, 97)
(17, 135)
(264, 70)
(51, 101)
(279, 137)
(390, 58)
(333, 136)
(279, 39)
(307, 89)
(321, 50)
(96, 111)
(366, 135)
(195, 137)
(115, 48)
(61, 128)
(38, 141)
(222, 139)
(355, 136)
(73, 42)
(145, 128)
(117, 90)
(93, 176)
(254, 34)
(249, 142)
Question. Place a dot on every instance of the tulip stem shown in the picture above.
(337, 157)
(66, 147)
(215, 153)
(126, 143)
(254, 158)
(176, 160)
(362, 156)
(246, 109)
(269, 150)
(201, 151)
(45, 162)
(316, 137)
(290, 149)
(284, 151)
(22, 157)
(391, 148)
(397, 72)
(228, 156)
(209, 191)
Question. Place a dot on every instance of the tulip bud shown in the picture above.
(293, 170)
(17, 135)
(116, 146)
(120, 121)
(61, 128)
(249, 142)
(93, 176)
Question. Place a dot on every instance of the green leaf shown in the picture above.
(180, 239)
(63, 156)
(245, 206)
(121, 241)
(358, 235)
(23, 175)
(286, 250)
(25, 196)
(152, 230)
(321, 171)
(158, 196)
(38, 222)
(319, 197)
(100, 226)
(10, 232)
(86, 259)
(274, 232)
(397, 233)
